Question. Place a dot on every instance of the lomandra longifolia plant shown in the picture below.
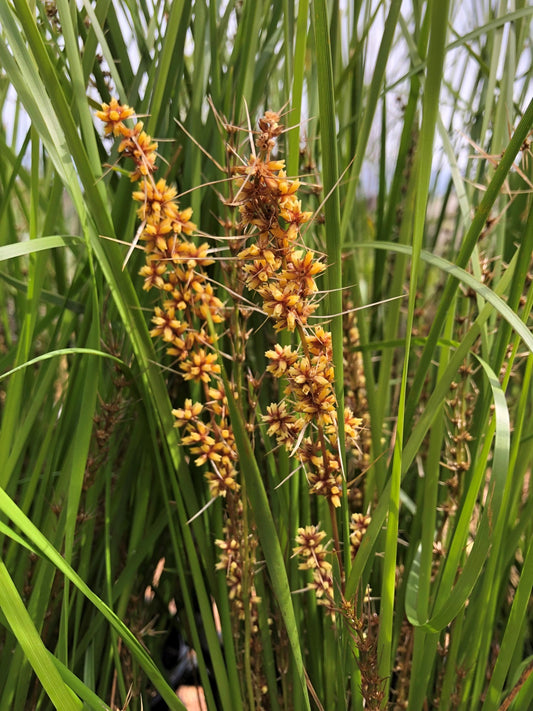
(269, 279)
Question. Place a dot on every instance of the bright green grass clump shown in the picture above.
(266, 355)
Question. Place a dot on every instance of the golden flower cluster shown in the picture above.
(313, 553)
(282, 272)
(238, 561)
(282, 275)
(232, 562)
(212, 443)
(176, 267)
(359, 524)
(355, 388)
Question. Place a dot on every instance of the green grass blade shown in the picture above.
(39, 244)
(375, 90)
(23, 628)
(422, 171)
(468, 244)
(165, 77)
(450, 601)
(12, 511)
(515, 623)
(330, 172)
(489, 295)
(57, 354)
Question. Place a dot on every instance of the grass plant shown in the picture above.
(266, 354)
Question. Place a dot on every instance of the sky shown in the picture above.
(459, 78)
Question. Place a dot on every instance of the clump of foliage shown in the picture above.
(252, 400)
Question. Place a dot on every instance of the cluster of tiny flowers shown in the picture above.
(279, 272)
(238, 560)
(359, 524)
(176, 267)
(231, 561)
(213, 443)
(355, 387)
(283, 272)
(313, 554)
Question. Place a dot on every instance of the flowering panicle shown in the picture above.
(274, 263)
(212, 444)
(282, 271)
(359, 524)
(175, 266)
(314, 556)
(232, 562)
(238, 561)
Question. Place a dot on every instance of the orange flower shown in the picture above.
(310, 383)
(284, 305)
(167, 325)
(303, 270)
(326, 479)
(291, 211)
(188, 414)
(183, 224)
(281, 358)
(188, 254)
(222, 478)
(319, 342)
(153, 273)
(113, 115)
(155, 235)
(200, 367)
(158, 201)
(359, 524)
(281, 423)
(309, 540)
(138, 145)
(313, 552)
